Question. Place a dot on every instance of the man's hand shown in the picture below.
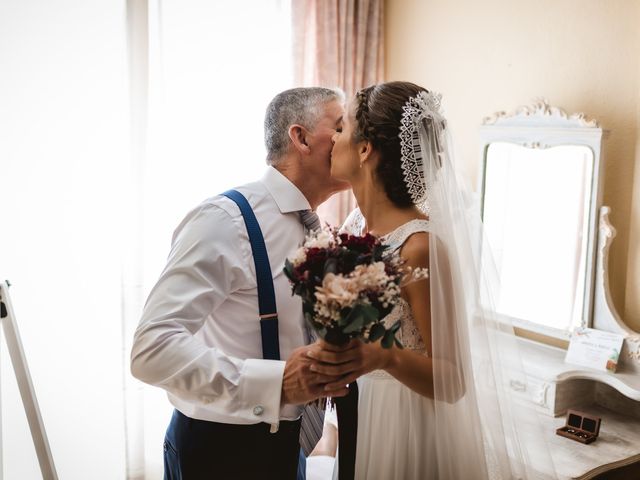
(301, 385)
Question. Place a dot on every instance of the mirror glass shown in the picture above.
(535, 209)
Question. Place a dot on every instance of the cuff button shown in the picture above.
(258, 410)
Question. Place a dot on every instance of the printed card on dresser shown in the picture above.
(595, 349)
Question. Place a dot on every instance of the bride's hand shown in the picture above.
(348, 362)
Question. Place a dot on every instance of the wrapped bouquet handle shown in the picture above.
(347, 410)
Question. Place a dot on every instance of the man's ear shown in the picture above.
(298, 136)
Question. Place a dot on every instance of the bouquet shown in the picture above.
(348, 284)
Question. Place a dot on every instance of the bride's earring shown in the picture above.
(364, 151)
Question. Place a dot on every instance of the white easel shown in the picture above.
(19, 362)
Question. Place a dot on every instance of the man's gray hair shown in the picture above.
(302, 106)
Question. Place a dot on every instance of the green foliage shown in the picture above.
(377, 332)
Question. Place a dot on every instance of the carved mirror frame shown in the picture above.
(541, 125)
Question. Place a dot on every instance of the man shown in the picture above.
(237, 414)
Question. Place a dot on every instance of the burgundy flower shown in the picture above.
(363, 243)
(343, 261)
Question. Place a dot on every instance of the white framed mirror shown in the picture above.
(541, 194)
(541, 204)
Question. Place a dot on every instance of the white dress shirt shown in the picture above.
(199, 336)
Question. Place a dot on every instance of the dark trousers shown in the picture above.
(201, 450)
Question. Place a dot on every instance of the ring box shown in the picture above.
(580, 426)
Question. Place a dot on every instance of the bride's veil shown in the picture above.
(482, 430)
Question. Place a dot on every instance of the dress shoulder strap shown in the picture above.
(397, 237)
(354, 223)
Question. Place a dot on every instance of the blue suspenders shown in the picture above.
(266, 293)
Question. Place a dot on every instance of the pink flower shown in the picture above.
(338, 289)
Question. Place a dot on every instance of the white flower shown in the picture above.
(298, 257)
(371, 276)
(325, 314)
(389, 295)
(414, 275)
(320, 239)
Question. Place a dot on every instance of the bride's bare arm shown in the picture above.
(415, 369)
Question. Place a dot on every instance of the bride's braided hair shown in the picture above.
(378, 114)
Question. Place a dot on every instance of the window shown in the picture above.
(67, 196)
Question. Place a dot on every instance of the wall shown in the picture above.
(632, 311)
(582, 56)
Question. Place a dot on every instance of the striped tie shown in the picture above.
(310, 219)
(311, 427)
(312, 416)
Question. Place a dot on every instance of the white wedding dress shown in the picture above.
(396, 435)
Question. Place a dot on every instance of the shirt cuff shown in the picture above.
(261, 390)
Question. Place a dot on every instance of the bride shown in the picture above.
(437, 408)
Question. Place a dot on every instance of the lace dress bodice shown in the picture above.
(408, 334)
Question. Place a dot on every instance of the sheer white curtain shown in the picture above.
(214, 67)
(63, 155)
(85, 226)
